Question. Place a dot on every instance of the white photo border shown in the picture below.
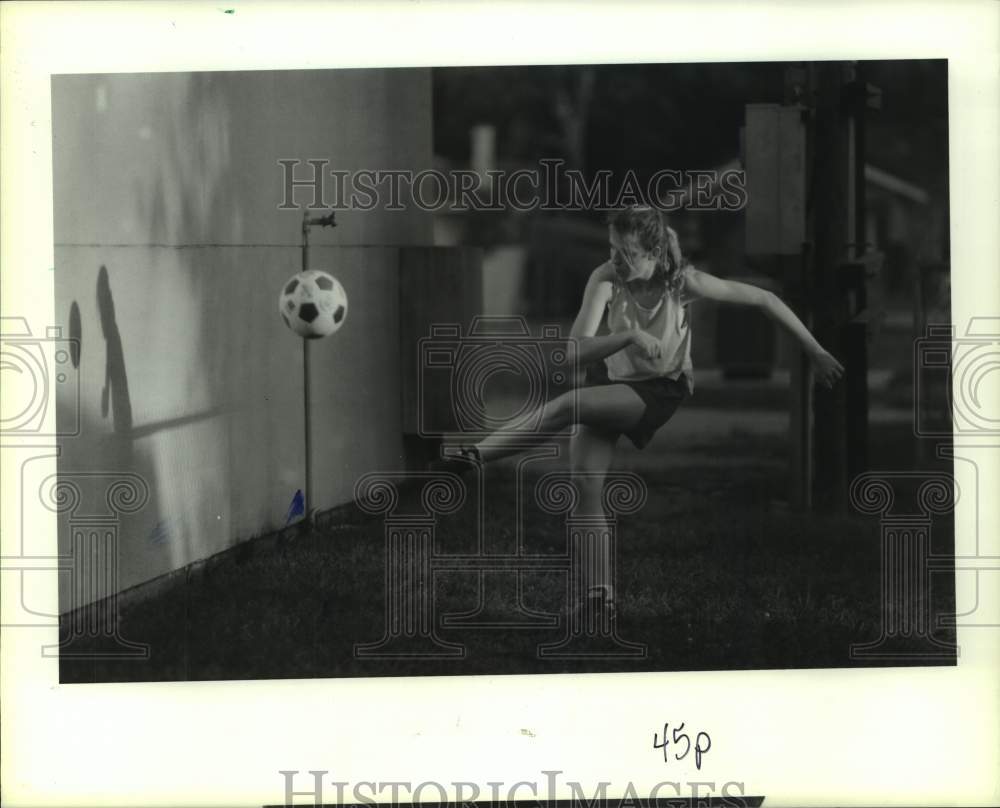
(900, 736)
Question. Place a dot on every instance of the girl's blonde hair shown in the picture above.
(650, 227)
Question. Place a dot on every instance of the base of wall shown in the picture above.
(153, 588)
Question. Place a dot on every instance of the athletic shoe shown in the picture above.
(457, 459)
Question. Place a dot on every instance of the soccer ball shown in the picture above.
(313, 304)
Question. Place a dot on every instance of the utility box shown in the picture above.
(774, 158)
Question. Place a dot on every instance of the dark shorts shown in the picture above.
(661, 396)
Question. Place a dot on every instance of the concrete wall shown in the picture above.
(170, 253)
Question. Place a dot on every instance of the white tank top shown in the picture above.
(666, 321)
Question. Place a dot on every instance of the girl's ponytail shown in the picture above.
(674, 262)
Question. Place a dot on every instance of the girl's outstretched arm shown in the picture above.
(701, 285)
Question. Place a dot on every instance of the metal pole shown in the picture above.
(830, 230)
(308, 221)
(308, 493)
(856, 332)
(859, 119)
(804, 281)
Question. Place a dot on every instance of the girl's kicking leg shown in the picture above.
(609, 408)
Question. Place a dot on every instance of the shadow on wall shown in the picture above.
(115, 481)
(192, 202)
(200, 384)
(115, 377)
(184, 385)
(196, 201)
(180, 516)
(189, 203)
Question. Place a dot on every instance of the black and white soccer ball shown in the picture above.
(313, 304)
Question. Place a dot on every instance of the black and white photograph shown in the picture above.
(582, 404)
(512, 369)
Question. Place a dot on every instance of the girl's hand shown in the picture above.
(649, 347)
(828, 369)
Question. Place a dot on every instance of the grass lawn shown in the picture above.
(713, 573)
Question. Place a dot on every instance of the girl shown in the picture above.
(639, 373)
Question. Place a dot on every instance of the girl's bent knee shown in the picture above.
(558, 413)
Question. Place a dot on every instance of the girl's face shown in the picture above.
(628, 257)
